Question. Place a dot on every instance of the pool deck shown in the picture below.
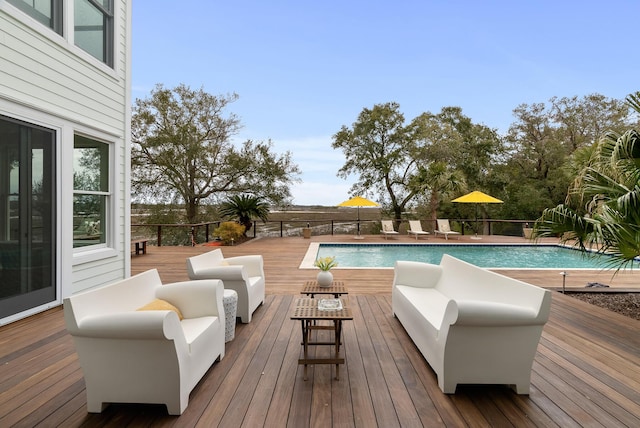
(586, 371)
(288, 253)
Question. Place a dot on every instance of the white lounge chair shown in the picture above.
(244, 274)
(444, 228)
(387, 228)
(415, 228)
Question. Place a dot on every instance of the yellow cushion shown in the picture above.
(161, 305)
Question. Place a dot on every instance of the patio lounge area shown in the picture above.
(586, 371)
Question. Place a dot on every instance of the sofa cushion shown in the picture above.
(161, 305)
(428, 301)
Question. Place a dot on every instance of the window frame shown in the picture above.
(57, 14)
(107, 217)
(108, 40)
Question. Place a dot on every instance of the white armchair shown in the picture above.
(151, 356)
(244, 274)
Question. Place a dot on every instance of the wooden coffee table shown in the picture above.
(306, 310)
(337, 288)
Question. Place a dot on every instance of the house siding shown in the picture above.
(45, 79)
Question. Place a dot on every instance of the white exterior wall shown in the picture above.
(45, 79)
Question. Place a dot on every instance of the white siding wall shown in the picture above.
(44, 77)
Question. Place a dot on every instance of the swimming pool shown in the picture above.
(484, 255)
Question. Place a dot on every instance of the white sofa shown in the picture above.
(244, 274)
(131, 356)
(472, 325)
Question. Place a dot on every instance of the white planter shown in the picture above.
(325, 278)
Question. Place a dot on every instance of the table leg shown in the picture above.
(337, 334)
(305, 344)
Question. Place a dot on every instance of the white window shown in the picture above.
(93, 28)
(47, 12)
(91, 192)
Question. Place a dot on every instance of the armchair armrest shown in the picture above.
(416, 274)
(225, 273)
(197, 298)
(131, 325)
(253, 264)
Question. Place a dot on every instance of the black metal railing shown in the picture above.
(192, 234)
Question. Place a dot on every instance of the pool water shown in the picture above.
(483, 255)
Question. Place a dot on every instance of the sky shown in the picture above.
(303, 69)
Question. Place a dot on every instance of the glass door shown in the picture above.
(27, 216)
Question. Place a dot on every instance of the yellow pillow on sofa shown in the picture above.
(161, 305)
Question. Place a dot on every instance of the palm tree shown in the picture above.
(244, 208)
(602, 209)
(442, 182)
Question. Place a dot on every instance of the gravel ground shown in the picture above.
(627, 304)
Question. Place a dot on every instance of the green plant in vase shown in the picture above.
(325, 277)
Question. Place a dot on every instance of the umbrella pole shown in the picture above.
(358, 235)
(476, 235)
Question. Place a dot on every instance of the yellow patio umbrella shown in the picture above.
(358, 201)
(477, 197)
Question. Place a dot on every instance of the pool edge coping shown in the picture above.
(312, 251)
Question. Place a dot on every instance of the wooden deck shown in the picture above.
(586, 372)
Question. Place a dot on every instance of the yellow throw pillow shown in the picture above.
(161, 305)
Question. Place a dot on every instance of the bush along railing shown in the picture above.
(194, 234)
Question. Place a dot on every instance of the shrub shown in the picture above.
(229, 231)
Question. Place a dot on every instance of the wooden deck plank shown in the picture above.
(241, 371)
(323, 379)
(363, 411)
(576, 403)
(254, 372)
(265, 391)
(425, 411)
(608, 399)
(400, 397)
(286, 382)
(380, 395)
(586, 371)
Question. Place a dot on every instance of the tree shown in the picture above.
(443, 182)
(602, 208)
(378, 149)
(244, 208)
(437, 144)
(421, 162)
(458, 156)
(583, 122)
(182, 152)
(541, 145)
